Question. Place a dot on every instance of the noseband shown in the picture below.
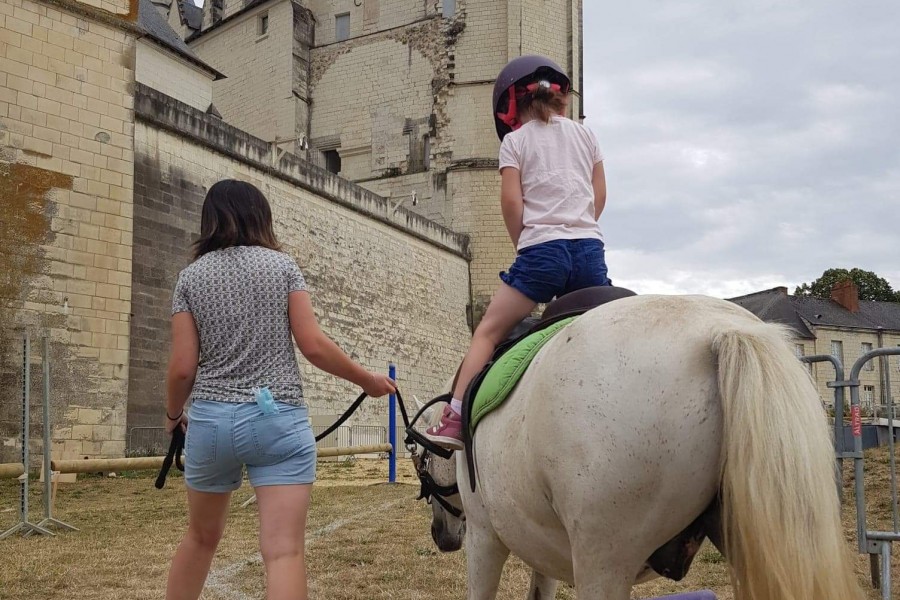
(431, 490)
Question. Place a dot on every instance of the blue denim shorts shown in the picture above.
(222, 437)
(552, 269)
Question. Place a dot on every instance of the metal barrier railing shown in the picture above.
(877, 544)
(147, 441)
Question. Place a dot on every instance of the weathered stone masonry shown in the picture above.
(66, 143)
(388, 286)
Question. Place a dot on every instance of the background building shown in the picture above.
(843, 326)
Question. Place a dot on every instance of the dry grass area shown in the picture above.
(366, 541)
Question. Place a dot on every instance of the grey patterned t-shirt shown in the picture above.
(239, 299)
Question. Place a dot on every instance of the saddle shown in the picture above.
(566, 307)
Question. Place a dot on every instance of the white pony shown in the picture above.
(621, 434)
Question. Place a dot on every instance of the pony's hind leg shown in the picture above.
(485, 557)
(542, 587)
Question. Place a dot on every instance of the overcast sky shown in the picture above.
(748, 145)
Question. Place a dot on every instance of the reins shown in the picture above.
(176, 447)
(430, 488)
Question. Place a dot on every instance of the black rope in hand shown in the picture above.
(176, 447)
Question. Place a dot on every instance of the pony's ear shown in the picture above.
(428, 414)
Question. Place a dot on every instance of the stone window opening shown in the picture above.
(263, 24)
(342, 27)
(332, 161)
(868, 398)
(800, 352)
(865, 349)
(837, 350)
(449, 8)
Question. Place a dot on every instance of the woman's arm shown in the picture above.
(325, 354)
(599, 182)
(512, 202)
(183, 362)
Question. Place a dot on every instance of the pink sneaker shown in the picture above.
(448, 433)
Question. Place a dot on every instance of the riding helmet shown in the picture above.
(518, 73)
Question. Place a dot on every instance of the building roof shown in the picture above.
(775, 306)
(156, 27)
(798, 312)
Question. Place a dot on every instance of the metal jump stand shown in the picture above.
(24, 526)
(48, 521)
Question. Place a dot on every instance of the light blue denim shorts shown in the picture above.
(222, 437)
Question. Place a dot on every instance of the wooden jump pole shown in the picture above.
(11, 470)
(155, 462)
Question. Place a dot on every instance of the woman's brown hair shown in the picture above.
(235, 213)
(544, 102)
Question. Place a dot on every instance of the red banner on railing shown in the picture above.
(855, 421)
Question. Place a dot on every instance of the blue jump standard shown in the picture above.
(704, 595)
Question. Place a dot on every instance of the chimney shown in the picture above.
(846, 294)
(782, 290)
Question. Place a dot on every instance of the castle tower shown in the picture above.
(394, 95)
(496, 32)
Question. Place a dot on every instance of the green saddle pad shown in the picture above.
(505, 373)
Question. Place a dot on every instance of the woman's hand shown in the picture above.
(379, 385)
(181, 421)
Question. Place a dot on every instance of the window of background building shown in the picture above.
(837, 350)
(868, 397)
(332, 161)
(263, 24)
(800, 352)
(449, 7)
(342, 27)
(867, 347)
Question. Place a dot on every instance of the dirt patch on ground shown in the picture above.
(367, 540)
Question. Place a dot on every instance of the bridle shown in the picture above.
(431, 490)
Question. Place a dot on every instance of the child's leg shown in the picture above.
(507, 308)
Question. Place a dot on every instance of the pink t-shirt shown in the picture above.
(556, 162)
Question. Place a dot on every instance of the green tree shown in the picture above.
(870, 285)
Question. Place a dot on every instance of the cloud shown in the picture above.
(748, 145)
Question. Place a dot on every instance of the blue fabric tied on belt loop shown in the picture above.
(265, 400)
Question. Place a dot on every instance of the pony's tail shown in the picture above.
(780, 509)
